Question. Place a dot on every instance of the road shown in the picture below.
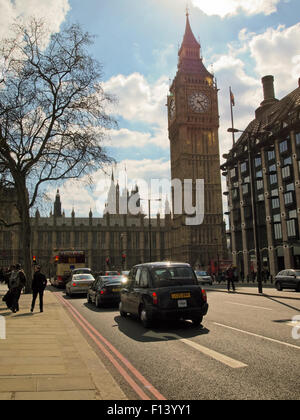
(243, 350)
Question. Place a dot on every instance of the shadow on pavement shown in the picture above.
(282, 303)
(166, 331)
(104, 308)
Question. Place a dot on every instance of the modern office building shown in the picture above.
(266, 158)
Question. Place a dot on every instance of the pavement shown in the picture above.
(252, 289)
(45, 356)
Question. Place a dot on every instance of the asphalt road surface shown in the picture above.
(248, 347)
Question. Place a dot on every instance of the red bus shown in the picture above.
(62, 264)
(219, 266)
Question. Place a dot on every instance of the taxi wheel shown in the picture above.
(122, 313)
(197, 321)
(144, 317)
(97, 302)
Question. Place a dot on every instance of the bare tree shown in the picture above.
(53, 116)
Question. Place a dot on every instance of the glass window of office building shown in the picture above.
(283, 146)
(271, 154)
(277, 231)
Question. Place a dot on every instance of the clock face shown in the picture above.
(198, 102)
(172, 108)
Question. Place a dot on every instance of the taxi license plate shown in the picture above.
(180, 295)
(116, 290)
(182, 303)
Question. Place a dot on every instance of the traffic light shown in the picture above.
(107, 261)
(123, 258)
(34, 259)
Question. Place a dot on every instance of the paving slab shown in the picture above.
(65, 383)
(6, 396)
(57, 395)
(14, 384)
(45, 356)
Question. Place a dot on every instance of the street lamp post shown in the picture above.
(253, 206)
(149, 215)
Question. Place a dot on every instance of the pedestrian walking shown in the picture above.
(17, 281)
(242, 275)
(230, 279)
(39, 284)
(235, 275)
(2, 277)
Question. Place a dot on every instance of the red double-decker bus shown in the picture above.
(62, 264)
(219, 266)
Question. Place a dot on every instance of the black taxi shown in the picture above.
(163, 290)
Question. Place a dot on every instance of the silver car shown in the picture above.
(82, 270)
(203, 277)
(79, 284)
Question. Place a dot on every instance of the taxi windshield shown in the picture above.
(173, 276)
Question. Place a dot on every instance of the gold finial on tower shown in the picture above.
(187, 10)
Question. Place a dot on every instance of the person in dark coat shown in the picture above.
(2, 277)
(230, 278)
(16, 283)
(39, 284)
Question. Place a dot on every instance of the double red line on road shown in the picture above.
(101, 342)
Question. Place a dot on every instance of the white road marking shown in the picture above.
(235, 364)
(250, 306)
(228, 361)
(293, 323)
(259, 336)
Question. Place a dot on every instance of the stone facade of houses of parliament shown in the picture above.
(110, 236)
(193, 121)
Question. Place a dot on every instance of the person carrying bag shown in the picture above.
(16, 283)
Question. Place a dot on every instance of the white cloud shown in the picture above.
(138, 100)
(277, 52)
(224, 8)
(231, 72)
(141, 102)
(52, 11)
(124, 138)
(139, 172)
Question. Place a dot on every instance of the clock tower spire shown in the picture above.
(189, 54)
(193, 119)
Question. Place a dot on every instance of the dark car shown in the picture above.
(288, 279)
(163, 290)
(105, 290)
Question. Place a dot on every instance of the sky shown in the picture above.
(137, 43)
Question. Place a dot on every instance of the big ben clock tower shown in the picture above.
(193, 119)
